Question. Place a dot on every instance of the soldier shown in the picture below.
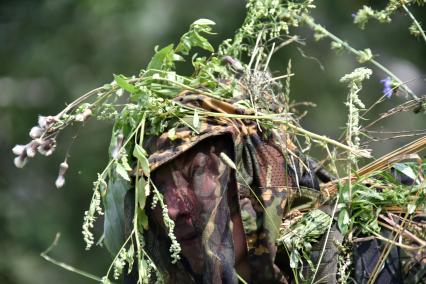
(227, 189)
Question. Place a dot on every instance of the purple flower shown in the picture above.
(353, 15)
(387, 87)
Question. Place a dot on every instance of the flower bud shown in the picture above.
(46, 121)
(31, 148)
(20, 160)
(36, 132)
(18, 149)
(60, 181)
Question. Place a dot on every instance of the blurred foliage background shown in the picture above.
(52, 51)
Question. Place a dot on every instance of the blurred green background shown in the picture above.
(52, 51)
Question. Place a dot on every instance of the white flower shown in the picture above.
(18, 149)
(42, 121)
(60, 181)
(20, 161)
(31, 148)
(36, 132)
(46, 121)
(47, 147)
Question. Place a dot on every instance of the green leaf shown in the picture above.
(204, 22)
(121, 170)
(125, 163)
(122, 82)
(140, 188)
(193, 37)
(140, 154)
(343, 220)
(177, 57)
(114, 214)
(158, 59)
(142, 219)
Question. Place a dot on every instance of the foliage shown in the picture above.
(149, 110)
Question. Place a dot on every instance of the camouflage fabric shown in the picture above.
(261, 187)
(268, 180)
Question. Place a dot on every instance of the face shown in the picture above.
(191, 185)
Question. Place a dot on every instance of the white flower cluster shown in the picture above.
(90, 218)
(354, 104)
(105, 280)
(175, 248)
(119, 263)
(45, 146)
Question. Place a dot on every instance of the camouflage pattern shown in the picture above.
(267, 182)
(263, 184)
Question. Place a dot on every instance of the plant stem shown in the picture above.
(64, 265)
(415, 22)
(311, 23)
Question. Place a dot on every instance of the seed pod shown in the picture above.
(228, 161)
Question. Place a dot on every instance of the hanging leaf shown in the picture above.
(125, 163)
(343, 220)
(114, 214)
(140, 154)
(193, 37)
(142, 219)
(122, 82)
(121, 170)
(140, 188)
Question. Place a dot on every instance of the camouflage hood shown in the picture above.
(261, 185)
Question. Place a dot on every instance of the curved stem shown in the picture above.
(311, 23)
(422, 32)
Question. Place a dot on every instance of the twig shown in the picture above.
(311, 23)
(64, 265)
(393, 226)
(415, 22)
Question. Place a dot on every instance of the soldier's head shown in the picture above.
(194, 186)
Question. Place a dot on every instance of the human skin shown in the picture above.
(189, 185)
